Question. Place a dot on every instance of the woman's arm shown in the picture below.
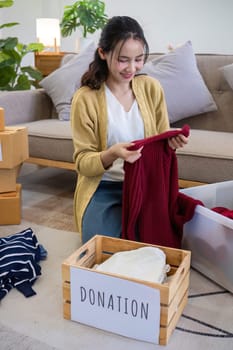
(119, 150)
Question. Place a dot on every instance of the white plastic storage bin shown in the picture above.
(209, 235)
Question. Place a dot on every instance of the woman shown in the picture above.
(114, 106)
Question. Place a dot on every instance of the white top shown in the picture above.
(122, 127)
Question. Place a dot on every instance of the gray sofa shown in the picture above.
(208, 157)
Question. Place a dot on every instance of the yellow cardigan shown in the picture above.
(89, 123)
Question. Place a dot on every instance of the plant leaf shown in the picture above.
(87, 14)
(23, 83)
(8, 25)
(6, 3)
(34, 47)
(6, 74)
(12, 75)
(8, 43)
(5, 59)
(32, 72)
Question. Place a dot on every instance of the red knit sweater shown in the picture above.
(153, 209)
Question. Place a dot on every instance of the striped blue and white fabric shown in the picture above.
(20, 254)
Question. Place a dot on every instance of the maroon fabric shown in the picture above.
(152, 204)
(224, 211)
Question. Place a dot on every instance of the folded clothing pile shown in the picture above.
(146, 263)
(19, 257)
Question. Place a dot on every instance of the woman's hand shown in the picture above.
(119, 150)
(178, 141)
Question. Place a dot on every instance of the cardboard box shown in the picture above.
(209, 235)
(8, 178)
(10, 207)
(13, 146)
(131, 307)
(2, 119)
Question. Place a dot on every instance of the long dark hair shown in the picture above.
(118, 28)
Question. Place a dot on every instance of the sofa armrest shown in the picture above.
(25, 106)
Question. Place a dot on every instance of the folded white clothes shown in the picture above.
(146, 263)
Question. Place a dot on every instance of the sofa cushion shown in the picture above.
(61, 84)
(185, 90)
(50, 139)
(207, 157)
(228, 74)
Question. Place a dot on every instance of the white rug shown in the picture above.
(37, 322)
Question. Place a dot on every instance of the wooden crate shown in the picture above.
(173, 293)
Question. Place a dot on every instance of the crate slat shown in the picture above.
(166, 332)
(168, 311)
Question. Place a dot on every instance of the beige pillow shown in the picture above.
(228, 74)
(185, 90)
(61, 84)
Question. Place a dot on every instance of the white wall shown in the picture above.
(207, 23)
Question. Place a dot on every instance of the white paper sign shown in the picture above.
(120, 306)
(0, 151)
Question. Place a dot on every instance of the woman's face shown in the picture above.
(125, 61)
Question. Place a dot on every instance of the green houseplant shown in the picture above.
(89, 15)
(13, 75)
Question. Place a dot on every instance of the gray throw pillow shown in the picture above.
(185, 90)
(61, 84)
(228, 74)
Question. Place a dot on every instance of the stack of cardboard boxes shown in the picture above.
(13, 152)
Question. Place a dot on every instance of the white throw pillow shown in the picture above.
(185, 90)
(61, 84)
(228, 74)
